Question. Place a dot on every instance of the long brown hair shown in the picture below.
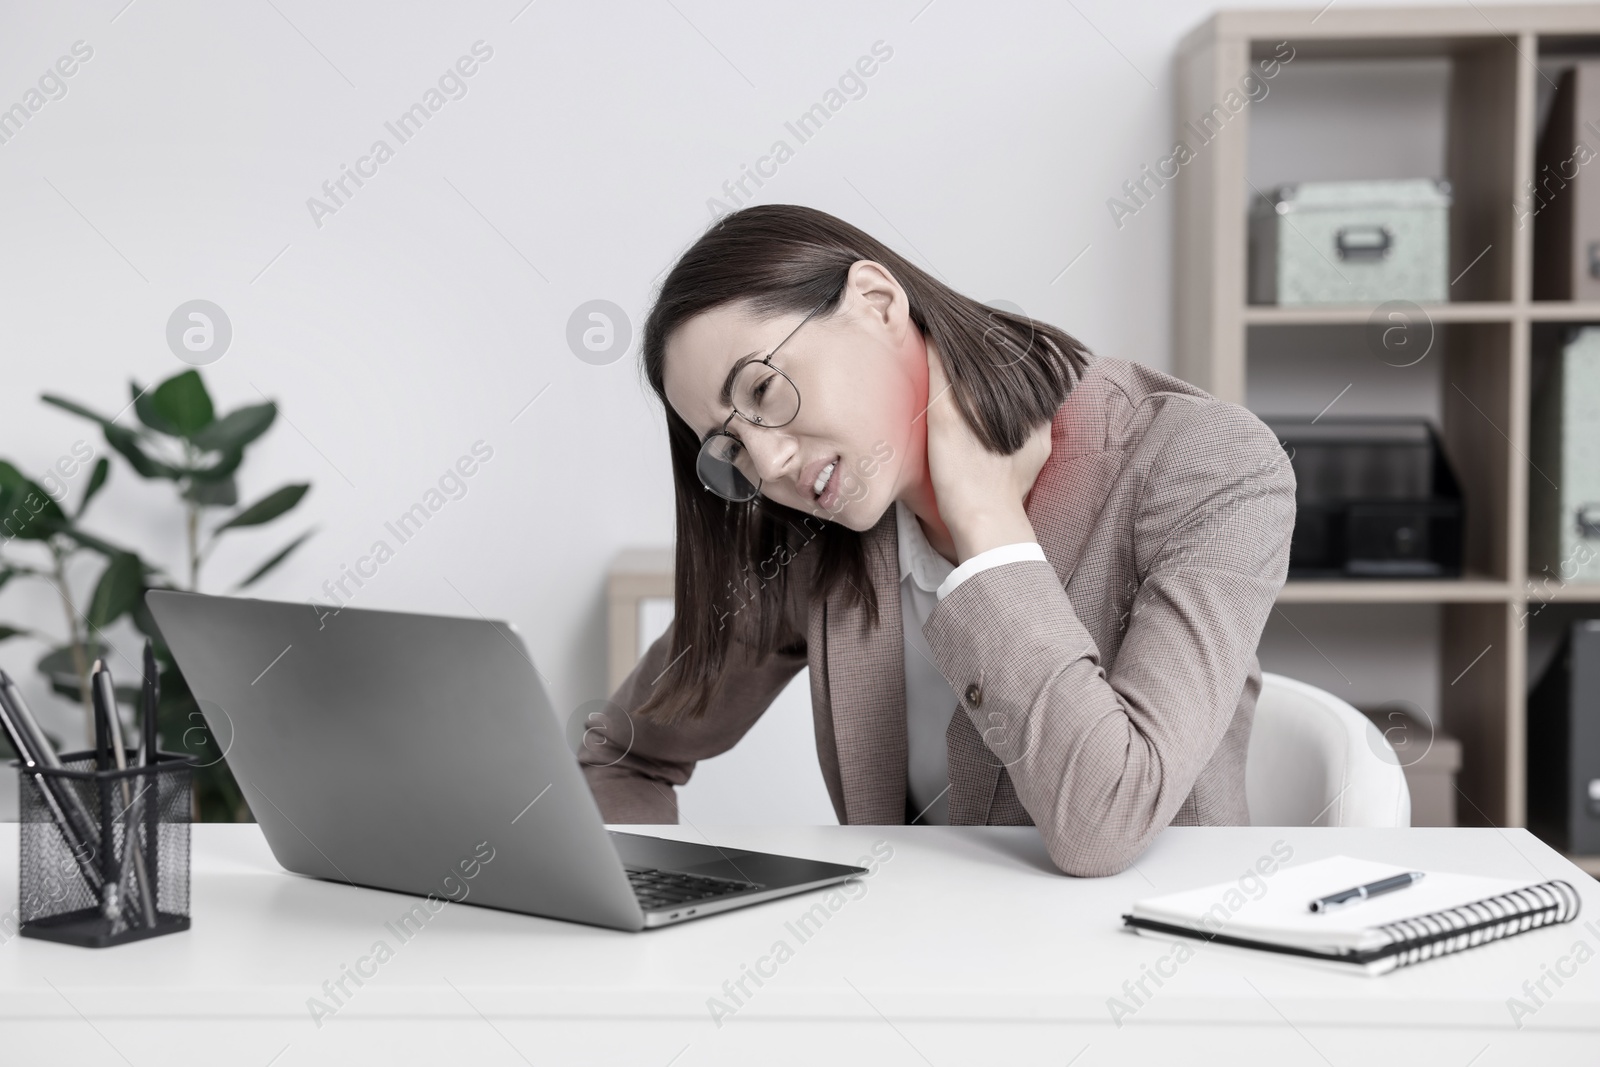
(1008, 373)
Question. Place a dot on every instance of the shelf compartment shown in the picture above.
(1450, 113)
(1484, 418)
(1461, 380)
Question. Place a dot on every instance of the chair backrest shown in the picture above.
(1316, 761)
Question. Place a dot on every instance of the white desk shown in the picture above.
(967, 947)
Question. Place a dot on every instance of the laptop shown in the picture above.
(421, 754)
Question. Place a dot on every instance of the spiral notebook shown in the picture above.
(1441, 914)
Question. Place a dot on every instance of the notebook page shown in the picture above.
(1275, 908)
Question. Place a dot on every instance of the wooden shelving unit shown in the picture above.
(1486, 334)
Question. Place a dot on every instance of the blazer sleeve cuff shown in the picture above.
(1008, 630)
(993, 557)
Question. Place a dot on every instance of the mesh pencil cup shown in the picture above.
(105, 853)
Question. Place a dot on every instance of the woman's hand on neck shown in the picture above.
(968, 498)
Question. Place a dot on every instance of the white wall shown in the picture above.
(434, 305)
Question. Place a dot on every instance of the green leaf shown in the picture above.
(182, 400)
(267, 508)
(7, 632)
(275, 560)
(223, 468)
(57, 661)
(218, 494)
(27, 512)
(74, 407)
(237, 428)
(102, 470)
(126, 442)
(117, 591)
(144, 405)
(17, 520)
(57, 666)
(6, 574)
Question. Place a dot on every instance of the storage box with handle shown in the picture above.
(1351, 242)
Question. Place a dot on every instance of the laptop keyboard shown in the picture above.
(668, 889)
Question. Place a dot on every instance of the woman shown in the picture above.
(1029, 582)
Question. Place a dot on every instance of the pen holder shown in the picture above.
(105, 854)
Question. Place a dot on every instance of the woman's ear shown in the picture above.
(877, 288)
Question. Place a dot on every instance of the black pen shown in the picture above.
(110, 896)
(145, 757)
(24, 716)
(16, 734)
(102, 723)
(150, 697)
(108, 699)
(1363, 892)
(44, 753)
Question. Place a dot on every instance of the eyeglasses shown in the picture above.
(763, 395)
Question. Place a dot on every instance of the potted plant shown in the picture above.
(180, 440)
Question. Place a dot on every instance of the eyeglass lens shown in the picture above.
(764, 396)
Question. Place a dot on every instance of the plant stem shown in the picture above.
(80, 658)
(192, 515)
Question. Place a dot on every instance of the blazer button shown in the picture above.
(974, 695)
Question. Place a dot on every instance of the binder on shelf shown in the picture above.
(1565, 196)
(1563, 754)
(1564, 487)
(1438, 915)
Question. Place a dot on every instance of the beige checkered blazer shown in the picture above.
(1104, 694)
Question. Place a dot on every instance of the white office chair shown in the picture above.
(1316, 761)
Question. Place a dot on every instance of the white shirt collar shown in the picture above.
(917, 557)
